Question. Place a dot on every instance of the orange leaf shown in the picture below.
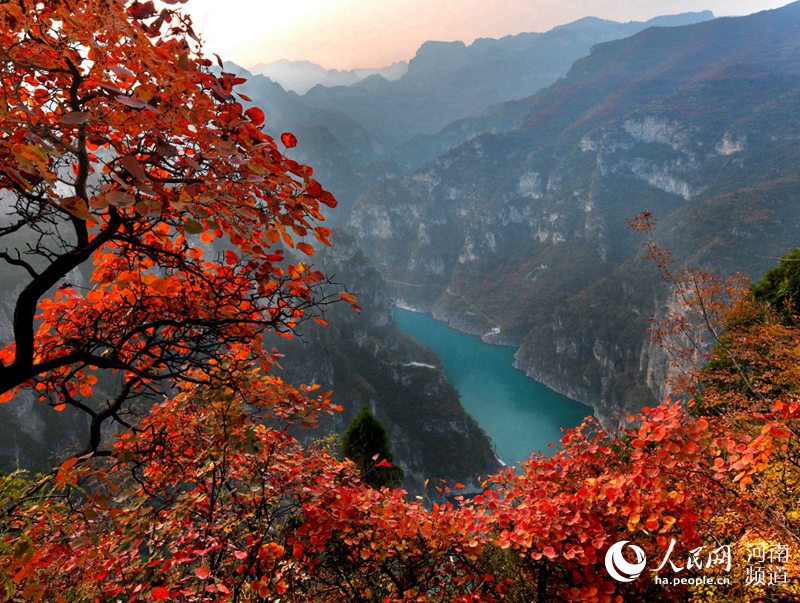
(306, 248)
(77, 207)
(69, 463)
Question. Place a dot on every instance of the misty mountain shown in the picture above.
(345, 132)
(301, 76)
(520, 236)
(447, 81)
(337, 146)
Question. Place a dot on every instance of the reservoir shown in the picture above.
(520, 415)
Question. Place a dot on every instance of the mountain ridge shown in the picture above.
(301, 76)
(446, 81)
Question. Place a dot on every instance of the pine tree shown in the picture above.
(366, 444)
(780, 287)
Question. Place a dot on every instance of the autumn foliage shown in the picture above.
(126, 158)
(130, 165)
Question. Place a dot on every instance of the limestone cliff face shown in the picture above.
(521, 237)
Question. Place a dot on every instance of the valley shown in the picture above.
(488, 185)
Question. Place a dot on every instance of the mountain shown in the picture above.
(520, 235)
(349, 133)
(301, 76)
(447, 81)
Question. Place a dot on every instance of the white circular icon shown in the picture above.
(620, 568)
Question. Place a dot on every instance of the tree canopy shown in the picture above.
(366, 444)
(780, 287)
(146, 213)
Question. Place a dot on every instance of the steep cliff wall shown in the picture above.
(521, 237)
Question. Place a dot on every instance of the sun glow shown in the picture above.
(373, 33)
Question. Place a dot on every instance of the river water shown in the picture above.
(520, 415)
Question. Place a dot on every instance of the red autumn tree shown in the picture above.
(145, 210)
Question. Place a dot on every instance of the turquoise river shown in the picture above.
(520, 415)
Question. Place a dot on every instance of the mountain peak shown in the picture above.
(435, 55)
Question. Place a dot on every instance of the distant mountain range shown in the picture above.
(353, 134)
(301, 76)
(450, 80)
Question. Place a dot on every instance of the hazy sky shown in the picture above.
(374, 33)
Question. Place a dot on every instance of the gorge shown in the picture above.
(504, 213)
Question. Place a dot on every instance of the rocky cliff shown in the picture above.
(520, 236)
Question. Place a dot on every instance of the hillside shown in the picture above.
(365, 360)
(524, 231)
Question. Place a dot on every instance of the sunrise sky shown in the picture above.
(373, 33)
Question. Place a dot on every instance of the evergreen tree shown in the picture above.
(780, 287)
(366, 444)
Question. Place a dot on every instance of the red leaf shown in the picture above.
(384, 463)
(289, 140)
(255, 115)
(328, 199)
(314, 188)
(133, 167)
(160, 593)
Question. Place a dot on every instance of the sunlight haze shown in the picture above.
(346, 34)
